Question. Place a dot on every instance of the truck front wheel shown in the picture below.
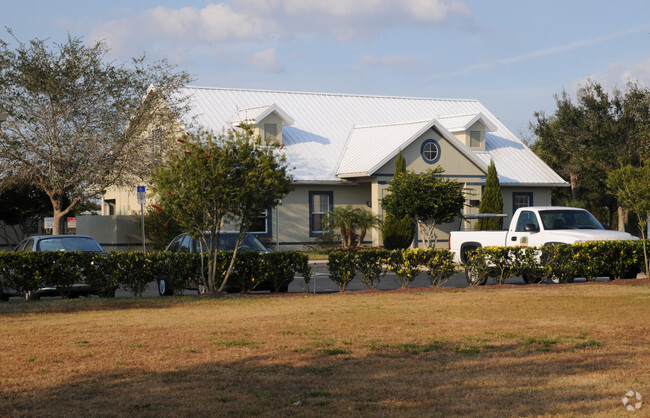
(474, 277)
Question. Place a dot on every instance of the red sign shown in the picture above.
(72, 223)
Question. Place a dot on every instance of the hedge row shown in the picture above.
(373, 264)
(29, 271)
(560, 263)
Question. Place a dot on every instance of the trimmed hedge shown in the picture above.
(373, 264)
(560, 262)
(30, 271)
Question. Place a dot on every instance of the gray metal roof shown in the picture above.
(328, 130)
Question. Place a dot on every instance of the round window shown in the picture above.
(430, 151)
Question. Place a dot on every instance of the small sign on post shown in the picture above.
(142, 197)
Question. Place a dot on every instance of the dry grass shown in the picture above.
(494, 351)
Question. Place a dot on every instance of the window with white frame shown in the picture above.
(319, 204)
(521, 200)
(261, 225)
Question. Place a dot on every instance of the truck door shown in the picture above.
(527, 226)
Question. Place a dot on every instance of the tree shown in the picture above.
(585, 141)
(491, 201)
(398, 232)
(632, 188)
(214, 179)
(258, 178)
(77, 123)
(18, 203)
(159, 227)
(427, 198)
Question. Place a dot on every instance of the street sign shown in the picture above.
(48, 223)
(142, 198)
(72, 223)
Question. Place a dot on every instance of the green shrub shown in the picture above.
(133, 270)
(342, 267)
(280, 267)
(369, 264)
(397, 233)
(406, 264)
(440, 263)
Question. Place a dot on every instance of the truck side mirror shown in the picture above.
(531, 228)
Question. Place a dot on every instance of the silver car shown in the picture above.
(54, 243)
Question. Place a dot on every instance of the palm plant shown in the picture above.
(348, 220)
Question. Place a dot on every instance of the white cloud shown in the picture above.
(266, 61)
(354, 19)
(187, 25)
(618, 74)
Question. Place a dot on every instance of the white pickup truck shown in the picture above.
(537, 226)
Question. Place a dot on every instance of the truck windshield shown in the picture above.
(568, 219)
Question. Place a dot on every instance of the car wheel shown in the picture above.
(561, 279)
(530, 279)
(32, 296)
(107, 293)
(163, 289)
(475, 278)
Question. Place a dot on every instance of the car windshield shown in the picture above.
(568, 219)
(69, 244)
(227, 243)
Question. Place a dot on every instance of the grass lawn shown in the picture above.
(572, 349)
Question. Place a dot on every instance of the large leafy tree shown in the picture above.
(491, 201)
(427, 198)
(587, 139)
(212, 180)
(632, 188)
(78, 123)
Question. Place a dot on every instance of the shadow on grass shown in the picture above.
(447, 379)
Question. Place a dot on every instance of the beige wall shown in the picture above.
(294, 211)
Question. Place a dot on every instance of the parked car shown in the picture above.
(227, 241)
(54, 243)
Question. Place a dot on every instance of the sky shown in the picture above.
(511, 55)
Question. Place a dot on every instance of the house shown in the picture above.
(342, 148)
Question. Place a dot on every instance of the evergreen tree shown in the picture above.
(491, 201)
(398, 232)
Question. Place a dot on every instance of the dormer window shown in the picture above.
(267, 121)
(470, 129)
(475, 139)
(270, 133)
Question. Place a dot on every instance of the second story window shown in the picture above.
(157, 145)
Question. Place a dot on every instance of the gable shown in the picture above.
(369, 148)
(450, 157)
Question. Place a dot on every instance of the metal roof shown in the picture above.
(329, 130)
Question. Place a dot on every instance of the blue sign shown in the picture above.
(140, 189)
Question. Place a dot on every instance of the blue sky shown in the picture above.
(512, 55)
